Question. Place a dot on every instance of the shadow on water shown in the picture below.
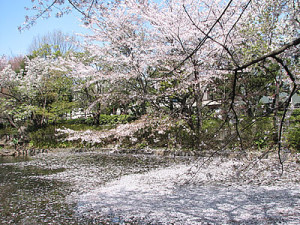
(12, 159)
(28, 200)
(29, 196)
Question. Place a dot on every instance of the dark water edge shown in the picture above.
(12, 159)
(28, 200)
(26, 197)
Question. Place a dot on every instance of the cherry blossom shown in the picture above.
(163, 50)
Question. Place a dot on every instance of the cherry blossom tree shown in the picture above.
(174, 30)
(33, 94)
(176, 49)
(9, 80)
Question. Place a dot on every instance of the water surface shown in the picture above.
(43, 189)
(103, 188)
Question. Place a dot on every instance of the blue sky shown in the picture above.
(12, 15)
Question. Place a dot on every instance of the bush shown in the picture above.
(8, 131)
(293, 133)
(293, 138)
(46, 138)
(104, 120)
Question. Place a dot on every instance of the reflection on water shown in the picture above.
(11, 159)
(26, 200)
(34, 191)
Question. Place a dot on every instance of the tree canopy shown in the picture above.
(163, 58)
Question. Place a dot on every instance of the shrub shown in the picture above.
(104, 120)
(293, 132)
(293, 138)
(45, 137)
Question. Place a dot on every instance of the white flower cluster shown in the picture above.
(122, 130)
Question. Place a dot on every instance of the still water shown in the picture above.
(107, 188)
(28, 200)
(37, 190)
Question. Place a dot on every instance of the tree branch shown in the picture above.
(244, 9)
(271, 54)
(223, 45)
(9, 95)
(75, 7)
(233, 110)
(286, 105)
(205, 38)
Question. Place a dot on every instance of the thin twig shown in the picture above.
(286, 105)
(233, 109)
(204, 39)
(75, 7)
(222, 45)
(244, 9)
(271, 54)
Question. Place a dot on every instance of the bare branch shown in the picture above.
(244, 9)
(271, 54)
(286, 105)
(233, 109)
(9, 95)
(90, 8)
(205, 38)
(223, 45)
(75, 7)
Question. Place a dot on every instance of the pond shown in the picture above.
(34, 191)
(103, 188)
(26, 199)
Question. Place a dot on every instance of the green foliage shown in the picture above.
(181, 136)
(47, 50)
(56, 98)
(44, 137)
(295, 115)
(260, 141)
(104, 120)
(293, 138)
(258, 132)
(44, 51)
(142, 144)
(59, 108)
(47, 137)
(211, 125)
(164, 85)
(83, 126)
(8, 131)
(293, 133)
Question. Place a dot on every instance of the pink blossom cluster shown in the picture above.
(122, 130)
